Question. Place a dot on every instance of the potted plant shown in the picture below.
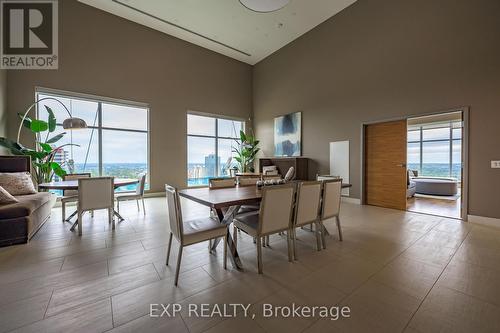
(245, 152)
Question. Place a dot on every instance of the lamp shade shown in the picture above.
(264, 6)
(74, 123)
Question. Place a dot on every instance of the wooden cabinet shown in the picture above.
(284, 163)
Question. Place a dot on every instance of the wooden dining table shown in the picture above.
(226, 202)
(67, 185)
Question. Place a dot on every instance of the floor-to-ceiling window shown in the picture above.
(435, 149)
(115, 142)
(210, 144)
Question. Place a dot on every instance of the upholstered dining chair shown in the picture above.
(190, 232)
(138, 195)
(307, 205)
(275, 215)
(222, 182)
(248, 180)
(93, 194)
(330, 205)
(71, 195)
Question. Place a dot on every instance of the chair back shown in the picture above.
(96, 193)
(307, 202)
(74, 176)
(139, 190)
(331, 198)
(276, 208)
(248, 181)
(174, 211)
(222, 182)
(290, 174)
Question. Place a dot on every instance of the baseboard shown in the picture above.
(486, 221)
(351, 200)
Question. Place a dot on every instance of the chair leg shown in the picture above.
(63, 208)
(254, 240)
(289, 241)
(209, 245)
(118, 206)
(293, 236)
(111, 217)
(178, 265)
(235, 236)
(318, 236)
(137, 201)
(322, 227)
(340, 228)
(80, 215)
(267, 240)
(92, 213)
(225, 251)
(169, 246)
(143, 206)
(259, 254)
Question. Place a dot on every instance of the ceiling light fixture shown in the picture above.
(264, 6)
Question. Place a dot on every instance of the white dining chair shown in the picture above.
(248, 180)
(330, 205)
(137, 195)
(94, 194)
(190, 232)
(307, 204)
(71, 195)
(275, 215)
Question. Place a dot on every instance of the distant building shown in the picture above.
(61, 156)
(211, 163)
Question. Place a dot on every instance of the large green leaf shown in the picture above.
(52, 119)
(39, 126)
(57, 169)
(243, 137)
(45, 146)
(26, 121)
(56, 138)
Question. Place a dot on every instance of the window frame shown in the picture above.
(215, 137)
(55, 93)
(450, 140)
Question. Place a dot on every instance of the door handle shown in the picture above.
(402, 165)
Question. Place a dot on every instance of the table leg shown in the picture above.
(71, 216)
(120, 218)
(227, 219)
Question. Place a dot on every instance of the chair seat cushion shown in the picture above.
(248, 222)
(202, 229)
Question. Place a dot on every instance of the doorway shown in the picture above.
(418, 164)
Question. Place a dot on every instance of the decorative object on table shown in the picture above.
(270, 170)
(290, 174)
(246, 151)
(287, 134)
(42, 156)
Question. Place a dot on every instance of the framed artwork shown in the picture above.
(287, 135)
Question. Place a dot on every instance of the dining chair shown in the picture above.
(273, 177)
(248, 180)
(307, 205)
(330, 205)
(138, 195)
(190, 232)
(223, 182)
(71, 195)
(93, 194)
(275, 215)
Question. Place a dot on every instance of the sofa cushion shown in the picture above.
(17, 183)
(25, 206)
(6, 197)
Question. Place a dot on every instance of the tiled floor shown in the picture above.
(397, 271)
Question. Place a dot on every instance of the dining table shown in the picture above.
(226, 202)
(66, 185)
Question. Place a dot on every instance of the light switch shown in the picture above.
(495, 164)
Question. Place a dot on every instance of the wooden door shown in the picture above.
(385, 164)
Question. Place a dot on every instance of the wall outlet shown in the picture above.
(495, 164)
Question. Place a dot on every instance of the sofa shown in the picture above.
(20, 221)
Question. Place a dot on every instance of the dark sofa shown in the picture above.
(20, 221)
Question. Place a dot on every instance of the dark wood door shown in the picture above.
(385, 164)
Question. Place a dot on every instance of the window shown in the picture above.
(115, 142)
(210, 143)
(436, 149)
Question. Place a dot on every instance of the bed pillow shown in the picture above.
(17, 183)
(6, 197)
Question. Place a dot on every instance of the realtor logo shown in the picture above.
(29, 33)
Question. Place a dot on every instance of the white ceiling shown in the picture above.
(225, 26)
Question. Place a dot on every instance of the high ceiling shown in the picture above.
(225, 26)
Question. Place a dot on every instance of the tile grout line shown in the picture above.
(435, 282)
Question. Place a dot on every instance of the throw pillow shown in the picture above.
(6, 197)
(17, 183)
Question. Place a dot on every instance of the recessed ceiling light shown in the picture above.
(264, 6)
